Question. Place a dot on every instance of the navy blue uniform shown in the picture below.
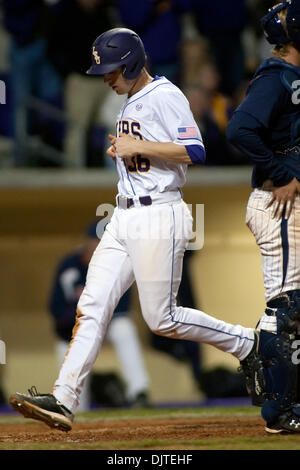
(268, 122)
(70, 276)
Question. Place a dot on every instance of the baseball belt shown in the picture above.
(124, 202)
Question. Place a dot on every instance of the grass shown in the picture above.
(271, 443)
(156, 413)
(175, 413)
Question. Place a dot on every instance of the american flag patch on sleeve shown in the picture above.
(187, 132)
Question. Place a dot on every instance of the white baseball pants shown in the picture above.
(279, 244)
(61, 347)
(145, 244)
(278, 241)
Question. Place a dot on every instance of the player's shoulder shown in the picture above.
(275, 74)
(267, 73)
(163, 85)
(163, 90)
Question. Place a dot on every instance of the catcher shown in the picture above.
(266, 127)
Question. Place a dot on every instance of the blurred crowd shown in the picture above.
(56, 115)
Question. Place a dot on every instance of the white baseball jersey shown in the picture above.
(159, 113)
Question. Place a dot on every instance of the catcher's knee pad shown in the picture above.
(276, 351)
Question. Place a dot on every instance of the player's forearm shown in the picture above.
(127, 146)
(166, 151)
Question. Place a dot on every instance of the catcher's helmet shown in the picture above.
(293, 22)
(273, 28)
(117, 47)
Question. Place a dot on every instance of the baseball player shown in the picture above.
(266, 127)
(145, 240)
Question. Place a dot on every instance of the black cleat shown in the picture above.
(288, 422)
(252, 369)
(43, 407)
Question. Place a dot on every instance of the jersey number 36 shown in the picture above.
(136, 163)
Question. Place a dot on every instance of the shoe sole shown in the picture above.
(52, 419)
(274, 431)
(279, 431)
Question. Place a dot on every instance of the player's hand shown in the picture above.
(126, 146)
(111, 151)
(283, 199)
(112, 139)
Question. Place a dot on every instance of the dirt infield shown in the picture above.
(227, 428)
(184, 431)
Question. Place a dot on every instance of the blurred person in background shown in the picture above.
(194, 53)
(68, 284)
(31, 73)
(222, 24)
(212, 110)
(158, 23)
(200, 99)
(75, 24)
(221, 105)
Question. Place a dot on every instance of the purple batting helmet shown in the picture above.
(118, 47)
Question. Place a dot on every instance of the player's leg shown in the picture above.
(157, 264)
(23, 64)
(61, 348)
(279, 243)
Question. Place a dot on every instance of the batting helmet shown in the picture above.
(118, 47)
(275, 31)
